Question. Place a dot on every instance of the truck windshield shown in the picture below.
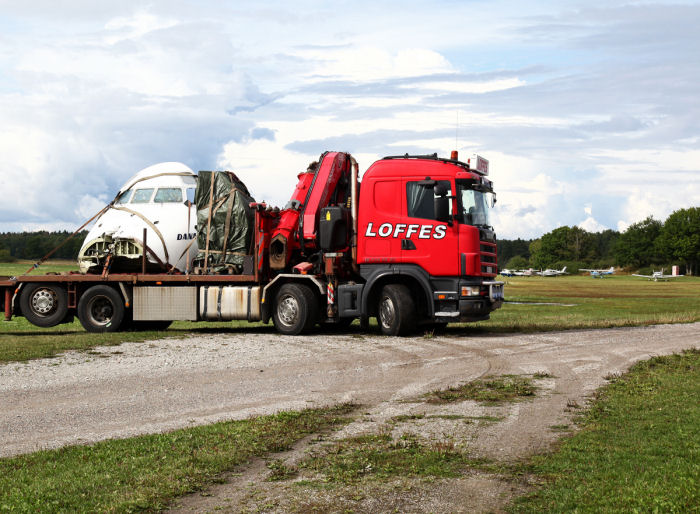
(474, 203)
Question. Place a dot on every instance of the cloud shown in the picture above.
(591, 106)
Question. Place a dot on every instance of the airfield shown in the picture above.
(563, 334)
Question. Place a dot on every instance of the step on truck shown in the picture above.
(411, 245)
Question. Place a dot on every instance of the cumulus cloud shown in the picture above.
(592, 107)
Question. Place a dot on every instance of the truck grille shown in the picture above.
(489, 262)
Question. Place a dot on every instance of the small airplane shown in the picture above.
(553, 272)
(657, 275)
(600, 273)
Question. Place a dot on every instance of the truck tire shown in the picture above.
(101, 309)
(296, 309)
(396, 312)
(44, 305)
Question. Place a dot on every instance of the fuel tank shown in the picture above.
(158, 199)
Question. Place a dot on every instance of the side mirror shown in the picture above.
(442, 209)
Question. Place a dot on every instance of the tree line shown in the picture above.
(35, 245)
(646, 244)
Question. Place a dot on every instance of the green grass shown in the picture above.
(147, 472)
(616, 301)
(489, 390)
(12, 269)
(638, 449)
(379, 457)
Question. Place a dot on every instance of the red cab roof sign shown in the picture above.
(480, 165)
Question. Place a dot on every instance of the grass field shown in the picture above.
(572, 302)
(638, 450)
(144, 473)
(534, 304)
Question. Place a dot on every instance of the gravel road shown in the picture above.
(137, 388)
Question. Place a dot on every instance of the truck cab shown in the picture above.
(423, 225)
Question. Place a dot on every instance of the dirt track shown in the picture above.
(147, 387)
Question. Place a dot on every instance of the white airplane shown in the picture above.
(159, 199)
(600, 273)
(657, 275)
(553, 272)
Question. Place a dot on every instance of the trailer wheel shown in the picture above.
(101, 309)
(296, 309)
(396, 312)
(44, 305)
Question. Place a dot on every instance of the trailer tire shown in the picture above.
(295, 310)
(101, 309)
(396, 311)
(44, 305)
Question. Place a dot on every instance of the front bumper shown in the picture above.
(475, 307)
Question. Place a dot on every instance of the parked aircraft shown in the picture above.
(600, 273)
(657, 275)
(553, 272)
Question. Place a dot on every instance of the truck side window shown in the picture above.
(420, 199)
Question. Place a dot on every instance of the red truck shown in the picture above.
(410, 245)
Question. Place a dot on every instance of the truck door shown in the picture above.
(382, 207)
(425, 241)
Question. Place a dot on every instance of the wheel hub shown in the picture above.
(288, 310)
(43, 301)
(101, 310)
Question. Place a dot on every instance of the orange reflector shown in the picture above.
(441, 297)
(159, 283)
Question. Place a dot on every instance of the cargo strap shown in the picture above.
(40, 261)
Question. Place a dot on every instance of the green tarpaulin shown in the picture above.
(225, 238)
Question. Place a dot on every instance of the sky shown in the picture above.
(589, 112)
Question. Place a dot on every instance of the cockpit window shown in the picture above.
(168, 195)
(142, 195)
(124, 197)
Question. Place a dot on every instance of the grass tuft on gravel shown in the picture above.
(147, 472)
(490, 390)
(380, 457)
(638, 449)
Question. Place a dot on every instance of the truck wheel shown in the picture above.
(296, 309)
(44, 305)
(101, 309)
(396, 312)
